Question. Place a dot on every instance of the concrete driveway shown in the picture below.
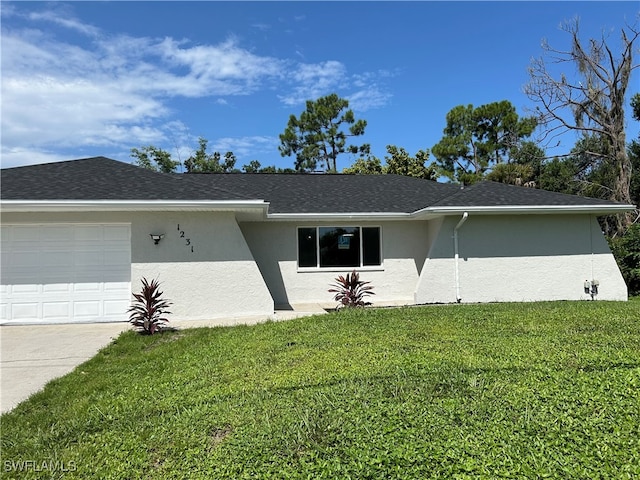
(32, 355)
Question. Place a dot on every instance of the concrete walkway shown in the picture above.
(33, 355)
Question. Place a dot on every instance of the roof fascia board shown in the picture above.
(262, 207)
(132, 205)
(528, 209)
(431, 212)
(339, 216)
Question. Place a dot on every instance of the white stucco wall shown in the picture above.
(274, 246)
(218, 280)
(520, 258)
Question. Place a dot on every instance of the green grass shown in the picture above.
(461, 391)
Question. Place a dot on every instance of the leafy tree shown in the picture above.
(254, 166)
(202, 162)
(585, 171)
(398, 162)
(591, 104)
(476, 139)
(317, 137)
(525, 167)
(626, 250)
(153, 158)
(512, 173)
(581, 172)
(558, 175)
(370, 165)
(634, 155)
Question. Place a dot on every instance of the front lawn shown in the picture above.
(460, 391)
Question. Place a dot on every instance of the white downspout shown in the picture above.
(455, 256)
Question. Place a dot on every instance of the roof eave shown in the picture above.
(527, 209)
(7, 206)
(335, 216)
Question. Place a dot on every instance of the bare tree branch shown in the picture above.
(591, 106)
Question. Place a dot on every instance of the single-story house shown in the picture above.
(78, 236)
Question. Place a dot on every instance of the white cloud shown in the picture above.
(223, 69)
(113, 91)
(367, 98)
(245, 147)
(19, 156)
(64, 21)
(110, 92)
(261, 26)
(315, 80)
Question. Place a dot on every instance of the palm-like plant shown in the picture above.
(350, 291)
(149, 308)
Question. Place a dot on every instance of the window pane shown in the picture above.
(339, 247)
(371, 246)
(307, 247)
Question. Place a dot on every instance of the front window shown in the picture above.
(339, 247)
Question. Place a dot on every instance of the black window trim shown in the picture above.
(318, 268)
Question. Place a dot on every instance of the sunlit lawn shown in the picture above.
(460, 391)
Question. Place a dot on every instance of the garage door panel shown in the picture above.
(115, 307)
(25, 233)
(25, 311)
(23, 259)
(56, 234)
(59, 288)
(86, 309)
(89, 233)
(116, 257)
(24, 289)
(65, 272)
(92, 257)
(86, 287)
(117, 233)
(116, 285)
(55, 310)
(56, 259)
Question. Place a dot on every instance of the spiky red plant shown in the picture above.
(350, 291)
(149, 308)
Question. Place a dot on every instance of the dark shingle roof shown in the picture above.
(100, 178)
(332, 193)
(493, 194)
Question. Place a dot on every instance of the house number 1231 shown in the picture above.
(187, 240)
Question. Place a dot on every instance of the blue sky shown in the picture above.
(83, 79)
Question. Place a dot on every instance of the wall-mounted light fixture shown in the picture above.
(156, 237)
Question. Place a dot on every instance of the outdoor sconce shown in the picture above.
(156, 237)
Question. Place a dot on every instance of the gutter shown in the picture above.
(131, 205)
(340, 216)
(465, 215)
(522, 209)
(263, 207)
(433, 212)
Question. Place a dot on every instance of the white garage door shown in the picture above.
(54, 273)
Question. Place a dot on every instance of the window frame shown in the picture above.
(360, 267)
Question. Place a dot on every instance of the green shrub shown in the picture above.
(626, 250)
